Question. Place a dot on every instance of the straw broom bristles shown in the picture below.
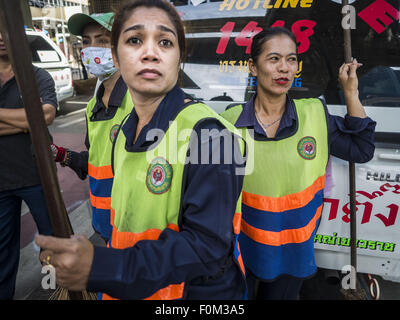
(64, 294)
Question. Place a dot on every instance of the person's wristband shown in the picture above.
(67, 159)
(61, 153)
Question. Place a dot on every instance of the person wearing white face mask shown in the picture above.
(104, 113)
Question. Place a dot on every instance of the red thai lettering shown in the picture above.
(366, 214)
(379, 10)
(391, 219)
(333, 209)
(370, 196)
(388, 185)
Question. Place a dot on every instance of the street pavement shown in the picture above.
(29, 278)
(68, 130)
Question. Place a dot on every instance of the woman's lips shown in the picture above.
(149, 73)
(282, 81)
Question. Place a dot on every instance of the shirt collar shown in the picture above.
(167, 111)
(248, 119)
(116, 97)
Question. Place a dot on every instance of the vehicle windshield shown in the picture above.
(42, 51)
(219, 36)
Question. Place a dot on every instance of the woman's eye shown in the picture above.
(133, 41)
(104, 41)
(166, 43)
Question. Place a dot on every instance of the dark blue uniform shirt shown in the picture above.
(201, 253)
(349, 138)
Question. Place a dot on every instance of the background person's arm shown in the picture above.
(17, 117)
(6, 129)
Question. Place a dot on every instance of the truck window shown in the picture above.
(42, 51)
(219, 35)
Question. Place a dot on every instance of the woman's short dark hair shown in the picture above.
(126, 9)
(265, 35)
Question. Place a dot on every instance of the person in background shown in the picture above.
(283, 196)
(104, 113)
(175, 222)
(19, 176)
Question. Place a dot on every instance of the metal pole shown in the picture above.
(352, 180)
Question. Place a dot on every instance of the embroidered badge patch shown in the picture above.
(307, 148)
(113, 132)
(159, 176)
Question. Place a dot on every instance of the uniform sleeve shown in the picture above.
(200, 249)
(79, 163)
(46, 86)
(79, 160)
(351, 138)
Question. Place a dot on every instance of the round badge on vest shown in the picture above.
(113, 132)
(307, 148)
(159, 176)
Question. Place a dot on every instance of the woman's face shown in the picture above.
(148, 54)
(94, 35)
(276, 66)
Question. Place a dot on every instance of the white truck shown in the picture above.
(219, 37)
(47, 55)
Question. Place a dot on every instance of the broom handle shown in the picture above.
(352, 180)
(19, 54)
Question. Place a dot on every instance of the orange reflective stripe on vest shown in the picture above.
(273, 238)
(172, 292)
(285, 203)
(237, 219)
(99, 173)
(236, 222)
(100, 202)
(122, 240)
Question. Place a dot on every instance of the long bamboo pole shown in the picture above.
(19, 53)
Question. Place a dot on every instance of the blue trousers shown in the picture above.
(10, 226)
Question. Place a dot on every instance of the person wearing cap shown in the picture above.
(104, 113)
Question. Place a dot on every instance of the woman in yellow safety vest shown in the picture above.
(175, 202)
(289, 145)
(104, 113)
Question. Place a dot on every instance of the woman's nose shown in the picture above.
(283, 66)
(150, 51)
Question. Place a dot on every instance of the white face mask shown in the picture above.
(98, 61)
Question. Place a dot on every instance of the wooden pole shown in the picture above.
(19, 53)
(352, 180)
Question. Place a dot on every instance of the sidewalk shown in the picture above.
(29, 277)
